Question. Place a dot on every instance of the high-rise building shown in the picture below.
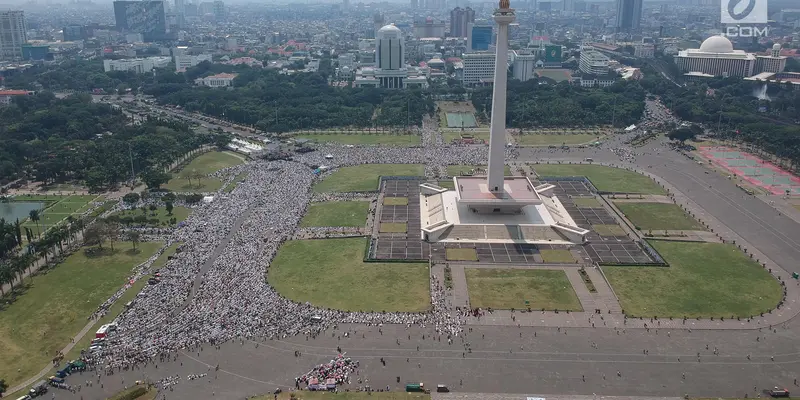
(429, 28)
(219, 11)
(479, 37)
(568, 6)
(460, 18)
(146, 17)
(593, 62)
(524, 64)
(478, 68)
(378, 22)
(629, 15)
(74, 32)
(13, 34)
(390, 54)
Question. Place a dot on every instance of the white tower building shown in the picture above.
(497, 133)
(390, 55)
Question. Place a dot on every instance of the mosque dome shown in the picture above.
(717, 44)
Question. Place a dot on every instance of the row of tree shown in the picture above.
(531, 104)
(278, 102)
(55, 140)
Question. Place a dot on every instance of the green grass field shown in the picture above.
(536, 139)
(703, 280)
(661, 216)
(161, 261)
(456, 170)
(363, 178)
(179, 213)
(461, 255)
(586, 202)
(393, 227)
(510, 288)
(336, 213)
(450, 135)
(366, 139)
(447, 184)
(395, 201)
(57, 209)
(556, 256)
(42, 320)
(203, 165)
(608, 230)
(605, 179)
(331, 273)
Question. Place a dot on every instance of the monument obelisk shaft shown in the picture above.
(497, 134)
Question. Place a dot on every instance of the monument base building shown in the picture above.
(520, 213)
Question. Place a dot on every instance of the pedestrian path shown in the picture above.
(584, 296)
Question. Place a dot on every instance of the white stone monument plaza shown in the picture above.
(497, 208)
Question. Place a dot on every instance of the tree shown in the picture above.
(154, 178)
(131, 198)
(34, 216)
(168, 205)
(3, 386)
(168, 197)
(94, 235)
(112, 231)
(134, 237)
(681, 134)
(221, 141)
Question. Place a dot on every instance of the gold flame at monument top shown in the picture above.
(505, 4)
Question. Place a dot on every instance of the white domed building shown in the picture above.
(390, 69)
(716, 57)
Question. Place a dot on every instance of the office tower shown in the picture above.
(568, 6)
(12, 34)
(145, 17)
(74, 32)
(479, 37)
(460, 18)
(378, 22)
(390, 53)
(629, 15)
(219, 11)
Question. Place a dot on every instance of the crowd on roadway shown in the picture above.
(213, 289)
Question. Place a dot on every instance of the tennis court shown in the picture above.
(754, 170)
(461, 120)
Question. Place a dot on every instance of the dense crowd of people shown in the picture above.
(213, 289)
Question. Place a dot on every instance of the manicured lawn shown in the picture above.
(54, 308)
(179, 213)
(447, 184)
(556, 256)
(586, 202)
(212, 161)
(510, 288)
(336, 213)
(331, 273)
(394, 227)
(202, 165)
(461, 255)
(364, 178)
(703, 280)
(306, 395)
(456, 170)
(382, 139)
(535, 139)
(203, 185)
(395, 201)
(450, 135)
(608, 230)
(660, 216)
(605, 179)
